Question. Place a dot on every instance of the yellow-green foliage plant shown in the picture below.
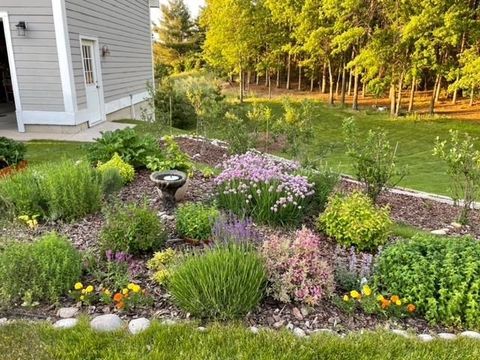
(355, 221)
(127, 171)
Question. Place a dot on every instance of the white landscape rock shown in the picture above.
(447, 336)
(254, 329)
(139, 325)
(65, 323)
(439, 232)
(67, 312)
(299, 332)
(471, 334)
(425, 337)
(106, 323)
(3, 321)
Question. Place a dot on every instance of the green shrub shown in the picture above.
(132, 228)
(112, 182)
(40, 271)
(126, 171)
(172, 158)
(56, 191)
(195, 221)
(374, 159)
(131, 146)
(355, 221)
(11, 152)
(223, 283)
(439, 275)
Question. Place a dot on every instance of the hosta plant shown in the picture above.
(255, 185)
(297, 268)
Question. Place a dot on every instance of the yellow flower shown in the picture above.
(366, 290)
(24, 217)
(82, 297)
(89, 289)
(136, 288)
(398, 302)
(78, 286)
(125, 291)
(346, 298)
(395, 298)
(355, 294)
(380, 297)
(107, 292)
(84, 291)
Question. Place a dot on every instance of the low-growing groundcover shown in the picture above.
(41, 342)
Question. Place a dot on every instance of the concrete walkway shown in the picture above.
(8, 128)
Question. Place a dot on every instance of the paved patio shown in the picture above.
(8, 128)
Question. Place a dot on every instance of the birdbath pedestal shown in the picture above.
(168, 182)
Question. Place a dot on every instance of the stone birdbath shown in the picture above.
(168, 182)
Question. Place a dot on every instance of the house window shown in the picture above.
(88, 64)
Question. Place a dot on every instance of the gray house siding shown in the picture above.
(123, 26)
(36, 56)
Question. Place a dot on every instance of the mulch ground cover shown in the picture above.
(424, 214)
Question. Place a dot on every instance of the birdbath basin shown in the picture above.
(168, 182)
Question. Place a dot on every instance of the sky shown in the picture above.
(193, 5)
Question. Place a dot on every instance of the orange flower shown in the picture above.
(117, 297)
(411, 308)
(120, 305)
(385, 304)
(394, 298)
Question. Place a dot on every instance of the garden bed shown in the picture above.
(424, 214)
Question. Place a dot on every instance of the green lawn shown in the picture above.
(42, 151)
(23, 341)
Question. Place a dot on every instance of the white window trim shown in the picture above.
(13, 70)
(64, 56)
(98, 70)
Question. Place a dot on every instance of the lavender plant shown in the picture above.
(352, 268)
(254, 185)
(230, 229)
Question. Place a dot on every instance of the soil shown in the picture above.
(425, 214)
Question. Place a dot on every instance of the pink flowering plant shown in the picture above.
(297, 269)
(264, 189)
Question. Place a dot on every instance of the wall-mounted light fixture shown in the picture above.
(105, 51)
(21, 28)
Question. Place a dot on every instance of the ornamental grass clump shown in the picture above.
(297, 269)
(267, 190)
(438, 275)
(223, 283)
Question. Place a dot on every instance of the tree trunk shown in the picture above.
(364, 88)
(455, 92)
(324, 78)
(257, 80)
(330, 75)
(299, 78)
(278, 78)
(289, 60)
(269, 86)
(350, 76)
(439, 88)
(241, 85)
(312, 83)
(249, 79)
(355, 91)
(434, 94)
(339, 78)
(399, 98)
(342, 90)
(392, 97)
(412, 95)
(472, 94)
